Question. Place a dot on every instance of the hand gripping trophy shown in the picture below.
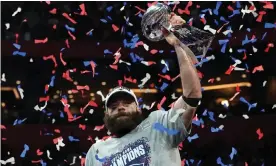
(156, 18)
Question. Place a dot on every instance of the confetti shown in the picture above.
(144, 80)
(161, 128)
(258, 68)
(7, 26)
(242, 99)
(269, 25)
(38, 41)
(26, 148)
(72, 139)
(10, 160)
(234, 152)
(18, 10)
(260, 134)
(69, 18)
(23, 54)
(190, 138)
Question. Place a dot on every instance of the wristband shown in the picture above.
(193, 102)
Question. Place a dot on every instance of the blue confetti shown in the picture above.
(215, 130)
(90, 33)
(164, 86)
(69, 28)
(106, 51)
(234, 151)
(216, 22)
(109, 8)
(223, 43)
(19, 53)
(101, 160)
(264, 35)
(248, 29)
(164, 70)
(103, 20)
(86, 63)
(241, 50)
(245, 41)
(61, 114)
(190, 138)
(161, 51)
(249, 105)
(223, 19)
(211, 116)
(215, 11)
(235, 12)
(205, 112)
(132, 56)
(72, 139)
(52, 81)
(238, 5)
(26, 148)
(161, 128)
(42, 163)
(17, 46)
(269, 25)
(109, 17)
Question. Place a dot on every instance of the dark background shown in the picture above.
(37, 130)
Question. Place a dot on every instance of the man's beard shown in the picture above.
(123, 122)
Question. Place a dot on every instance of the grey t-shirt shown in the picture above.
(143, 146)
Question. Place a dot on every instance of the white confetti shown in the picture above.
(274, 106)
(164, 63)
(221, 127)
(3, 78)
(91, 111)
(74, 160)
(108, 132)
(144, 80)
(21, 91)
(254, 49)
(264, 83)
(53, 121)
(121, 61)
(227, 32)
(17, 11)
(122, 8)
(146, 47)
(230, 50)
(212, 57)
(31, 60)
(207, 27)
(101, 94)
(48, 155)
(7, 26)
(245, 116)
(240, 27)
(173, 96)
(10, 160)
(37, 108)
(222, 116)
(60, 143)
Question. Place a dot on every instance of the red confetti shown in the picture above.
(140, 9)
(38, 152)
(260, 134)
(167, 77)
(16, 37)
(153, 51)
(269, 6)
(69, 18)
(82, 161)
(86, 87)
(238, 88)
(260, 17)
(200, 75)
(120, 82)
(72, 36)
(37, 41)
(140, 43)
(67, 43)
(231, 68)
(229, 7)
(36, 161)
(175, 77)
(53, 11)
(3, 127)
(258, 68)
(67, 76)
(93, 66)
(211, 80)
(244, 55)
(130, 80)
(61, 59)
(44, 99)
(83, 127)
(115, 28)
(98, 128)
(46, 87)
(83, 12)
(57, 130)
(186, 10)
(54, 26)
(159, 105)
(52, 58)
(48, 2)
(269, 45)
(203, 20)
(55, 140)
(115, 67)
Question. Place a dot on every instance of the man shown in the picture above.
(152, 141)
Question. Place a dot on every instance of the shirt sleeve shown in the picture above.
(89, 157)
(171, 120)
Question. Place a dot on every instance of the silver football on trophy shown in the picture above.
(157, 17)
